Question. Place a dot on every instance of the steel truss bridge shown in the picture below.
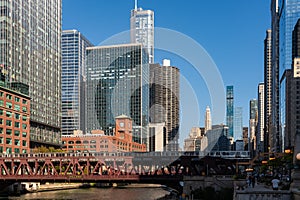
(159, 167)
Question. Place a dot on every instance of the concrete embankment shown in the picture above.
(59, 186)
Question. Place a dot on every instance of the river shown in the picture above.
(97, 193)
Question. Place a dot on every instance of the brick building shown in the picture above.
(14, 121)
(97, 141)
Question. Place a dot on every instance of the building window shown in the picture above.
(24, 109)
(1, 121)
(1, 94)
(1, 102)
(24, 134)
(17, 142)
(17, 133)
(1, 140)
(24, 143)
(1, 112)
(17, 115)
(8, 114)
(8, 96)
(24, 101)
(1, 130)
(8, 141)
(8, 123)
(8, 131)
(8, 150)
(17, 107)
(24, 126)
(9, 105)
(17, 99)
(24, 118)
(24, 151)
(17, 124)
(17, 150)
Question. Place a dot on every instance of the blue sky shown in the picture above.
(231, 31)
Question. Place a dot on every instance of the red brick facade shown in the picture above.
(98, 142)
(14, 122)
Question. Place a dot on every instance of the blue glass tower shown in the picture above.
(289, 13)
(229, 110)
(238, 123)
(73, 81)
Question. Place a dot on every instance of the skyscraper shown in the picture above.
(229, 110)
(73, 81)
(261, 120)
(295, 90)
(289, 14)
(164, 101)
(268, 86)
(253, 124)
(118, 84)
(142, 29)
(30, 51)
(238, 123)
(207, 119)
(274, 135)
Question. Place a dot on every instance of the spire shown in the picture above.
(135, 5)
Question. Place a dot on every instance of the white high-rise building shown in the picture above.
(207, 119)
(142, 29)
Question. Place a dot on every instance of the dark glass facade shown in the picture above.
(229, 110)
(118, 84)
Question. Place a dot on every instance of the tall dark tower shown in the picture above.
(267, 87)
(229, 110)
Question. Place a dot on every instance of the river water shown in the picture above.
(97, 193)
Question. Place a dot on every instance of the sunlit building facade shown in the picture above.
(73, 81)
(229, 110)
(118, 83)
(142, 30)
(30, 52)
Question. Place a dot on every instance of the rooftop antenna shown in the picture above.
(135, 5)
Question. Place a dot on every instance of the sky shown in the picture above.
(231, 32)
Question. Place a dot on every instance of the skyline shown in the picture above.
(240, 37)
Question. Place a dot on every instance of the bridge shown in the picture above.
(167, 168)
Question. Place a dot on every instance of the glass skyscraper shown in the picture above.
(30, 53)
(238, 123)
(253, 124)
(229, 110)
(142, 30)
(289, 13)
(73, 81)
(118, 84)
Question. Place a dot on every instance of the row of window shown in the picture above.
(10, 123)
(16, 106)
(10, 114)
(10, 141)
(9, 150)
(10, 97)
(10, 131)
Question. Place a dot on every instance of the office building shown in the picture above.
(295, 90)
(238, 123)
(261, 120)
(73, 81)
(30, 52)
(164, 100)
(157, 136)
(289, 13)
(117, 84)
(14, 121)
(268, 86)
(142, 30)
(273, 128)
(246, 138)
(229, 110)
(253, 118)
(207, 119)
